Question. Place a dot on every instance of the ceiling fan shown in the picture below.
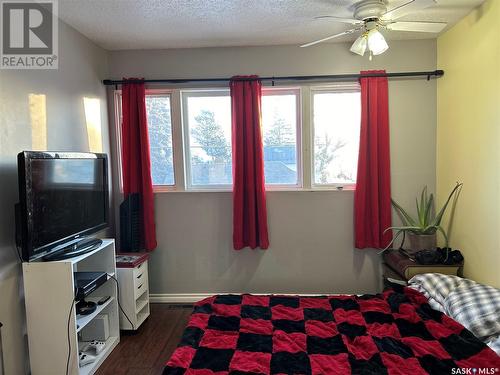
(370, 16)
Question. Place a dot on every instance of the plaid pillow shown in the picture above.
(494, 343)
(436, 286)
(477, 308)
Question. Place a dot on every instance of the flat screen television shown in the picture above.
(63, 197)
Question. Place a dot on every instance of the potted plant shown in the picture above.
(422, 230)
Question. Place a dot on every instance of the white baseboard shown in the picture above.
(178, 298)
(195, 297)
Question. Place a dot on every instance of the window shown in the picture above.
(190, 137)
(207, 139)
(158, 112)
(281, 131)
(160, 139)
(336, 126)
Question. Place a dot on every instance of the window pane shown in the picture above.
(279, 127)
(337, 117)
(209, 121)
(160, 139)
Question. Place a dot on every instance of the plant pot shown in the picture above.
(421, 242)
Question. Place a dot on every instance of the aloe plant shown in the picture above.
(426, 222)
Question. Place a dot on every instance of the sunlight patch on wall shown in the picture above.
(38, 119)
(92, 108)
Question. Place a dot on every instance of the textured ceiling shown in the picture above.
(151, 24)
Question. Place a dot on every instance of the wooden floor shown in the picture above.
(147, 351)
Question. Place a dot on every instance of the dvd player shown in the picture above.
(87, 282)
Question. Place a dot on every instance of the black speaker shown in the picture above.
(130, 223)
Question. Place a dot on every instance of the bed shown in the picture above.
(395, 332)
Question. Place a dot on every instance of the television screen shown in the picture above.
(63, 196)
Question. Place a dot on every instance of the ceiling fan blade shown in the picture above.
(410, 6)
(330, 37)
(351, 21)
(423, 27)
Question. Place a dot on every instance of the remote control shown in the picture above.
(103, 300)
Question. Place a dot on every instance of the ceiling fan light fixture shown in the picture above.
(371, 16)
(359, 45)
(376, 42)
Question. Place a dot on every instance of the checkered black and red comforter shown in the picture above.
(395, 332)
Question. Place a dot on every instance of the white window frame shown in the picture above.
(118, 121)
(197, 93)
(338, 88)
(268, 91)
(180, 141)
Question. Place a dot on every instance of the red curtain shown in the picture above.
(249, 194)
(136, 164)
(372, 198)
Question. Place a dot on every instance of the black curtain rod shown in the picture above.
(335, 77)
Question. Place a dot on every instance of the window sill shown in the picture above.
(192, 191)
(312, 190)
(280, 190)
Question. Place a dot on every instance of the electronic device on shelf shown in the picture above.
(85, 307)
(103, 300)
(97, 329)
(63, 197)
(94, 347)
(87, 282)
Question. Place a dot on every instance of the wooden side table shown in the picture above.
(399, 267)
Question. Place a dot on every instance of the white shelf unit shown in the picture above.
(134, 295)
(49, 294)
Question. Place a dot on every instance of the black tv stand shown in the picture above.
(83, 246)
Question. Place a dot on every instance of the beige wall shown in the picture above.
(468, 141)
(311, 233)
(28, 100)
